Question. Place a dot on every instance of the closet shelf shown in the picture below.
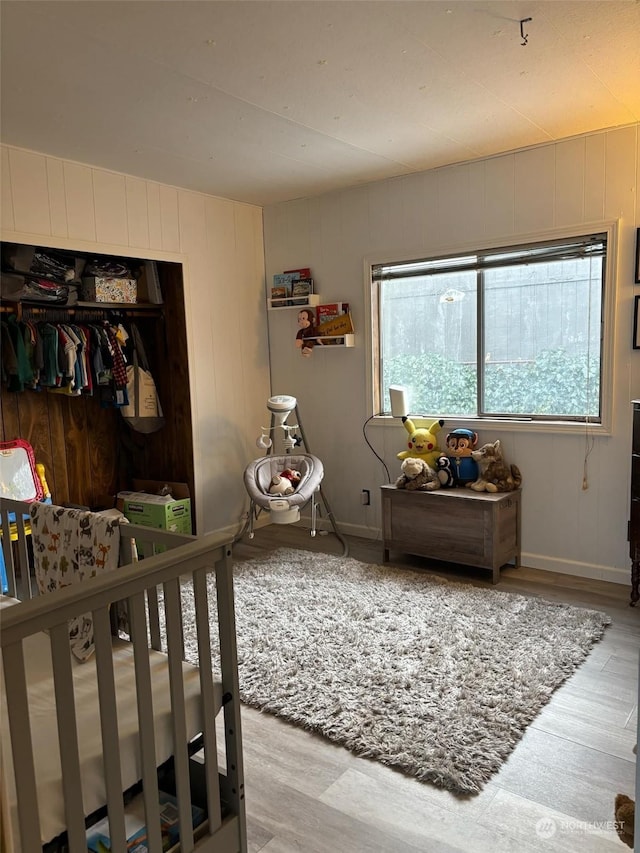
(129, 309)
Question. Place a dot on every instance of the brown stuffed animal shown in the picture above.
(417, 476)
(624, 810)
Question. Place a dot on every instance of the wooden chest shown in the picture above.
(455, 525)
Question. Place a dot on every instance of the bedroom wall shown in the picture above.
(53, 202)
(580, 180)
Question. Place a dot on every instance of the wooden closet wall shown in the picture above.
(89, 452)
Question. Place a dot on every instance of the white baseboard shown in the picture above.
(233, 530)
(530, 560)
(360, 530)
(581, 570)
(350, 529)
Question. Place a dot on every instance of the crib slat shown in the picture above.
(67, 737)
(206, 688)
(230, 685)
(154, 619)
(109, 728)
(21, 745)
(23, 557)
(126, 547)
(173, 618)
(138, 623)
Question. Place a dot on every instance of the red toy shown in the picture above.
(285, 482)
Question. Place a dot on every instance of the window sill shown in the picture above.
(498, 425)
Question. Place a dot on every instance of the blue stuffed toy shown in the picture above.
(459, 444)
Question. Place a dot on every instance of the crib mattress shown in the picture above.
(44, 726)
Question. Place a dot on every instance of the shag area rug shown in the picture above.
(436, 678)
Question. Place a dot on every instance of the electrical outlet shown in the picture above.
(365, 497)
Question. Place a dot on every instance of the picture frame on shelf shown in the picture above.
(637, 274)
(636, 322)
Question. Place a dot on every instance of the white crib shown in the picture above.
(77, 736)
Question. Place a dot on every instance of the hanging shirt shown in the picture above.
(51, 375)
(9, 359)
(24, 372)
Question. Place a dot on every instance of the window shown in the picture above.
(514, 332)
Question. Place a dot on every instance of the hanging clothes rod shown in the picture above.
(81, 309)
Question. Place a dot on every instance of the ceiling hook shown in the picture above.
(524, 36)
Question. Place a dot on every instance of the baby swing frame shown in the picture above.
(288, 459)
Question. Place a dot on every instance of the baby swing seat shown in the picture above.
(284, 509)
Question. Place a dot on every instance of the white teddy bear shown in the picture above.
(417, 476)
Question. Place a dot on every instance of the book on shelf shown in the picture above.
(284, 284)
(333, 329)
(333, 319)
(279, 295)
(301, 290)
(330, 310)
(98, 840)
(303, 272)
(282, 288)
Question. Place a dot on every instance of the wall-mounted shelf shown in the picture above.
(346, 339)
(333, 341)
(283, 304)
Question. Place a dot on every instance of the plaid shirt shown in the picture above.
(118, 369)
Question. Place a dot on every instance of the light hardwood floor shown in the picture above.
(554, 793)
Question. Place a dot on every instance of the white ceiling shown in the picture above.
(266, 101)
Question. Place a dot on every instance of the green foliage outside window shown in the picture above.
(556, 383)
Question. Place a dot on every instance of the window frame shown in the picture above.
(508, 423)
